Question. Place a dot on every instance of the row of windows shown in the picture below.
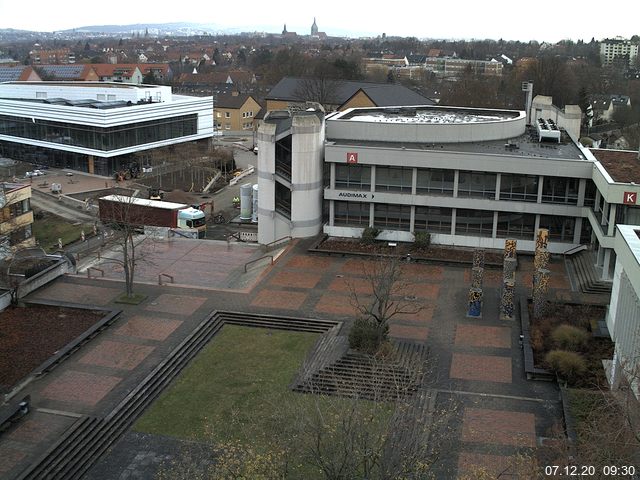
(439, 220)
(248, 114)
(99, 138)
(15, 210)
(470, 184)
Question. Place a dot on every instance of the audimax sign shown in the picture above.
(364, 196)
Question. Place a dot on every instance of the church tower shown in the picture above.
(284, 32)
(314, 28)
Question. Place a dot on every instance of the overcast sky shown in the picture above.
(511, 20)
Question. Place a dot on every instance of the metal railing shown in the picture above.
(257, 260)
(96, 269)
(573, 250)
(269, 245)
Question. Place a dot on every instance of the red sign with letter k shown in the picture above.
(630, 198)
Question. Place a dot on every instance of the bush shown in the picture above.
(422, 239)
(369, 235)
(567, 365)
(568, 337)
(365, 336)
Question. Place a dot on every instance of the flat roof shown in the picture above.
(526, 146)
(622, 165)
(144, 202)
(427, 114)
(12, 186)
(87, 103)
(84, 84)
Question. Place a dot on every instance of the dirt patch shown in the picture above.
(30, 335)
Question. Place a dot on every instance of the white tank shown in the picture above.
(254, 215)
(245, 201)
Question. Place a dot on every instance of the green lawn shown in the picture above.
(235, 396)
(47, 231)
(241, 375)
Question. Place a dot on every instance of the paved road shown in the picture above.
(49, 204)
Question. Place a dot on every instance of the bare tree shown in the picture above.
(126, 222)
(387, 296)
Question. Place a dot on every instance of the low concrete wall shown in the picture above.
(5, 300)
(61, 267)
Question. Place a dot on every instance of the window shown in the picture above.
(218, 115)
(477, 185)
(351, 213)
(227, 126)
(516, 225)
(435, 181)
(106, 139)
(394, 179)
(474, 222)
(392, 217)
(560, 228)
(590, 194)
(227, 115)
(519, 187)
(244, 114)
(560, 190)
(433, 219)
(355, 177)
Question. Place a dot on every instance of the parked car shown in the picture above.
(35, 173)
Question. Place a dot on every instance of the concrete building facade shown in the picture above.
(623, 317)
(94, 126)
(469, 177)
(290, 175)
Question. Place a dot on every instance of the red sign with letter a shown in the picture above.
(630, 198)
(352, 157)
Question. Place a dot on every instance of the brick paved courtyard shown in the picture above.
(479, 362)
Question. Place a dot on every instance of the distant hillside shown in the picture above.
(152, 27)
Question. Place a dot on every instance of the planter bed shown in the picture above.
(433, 254)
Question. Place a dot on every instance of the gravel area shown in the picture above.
(29, 335)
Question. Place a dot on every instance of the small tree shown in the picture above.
(422, 240)
(386, 299)
(369, 235)
(126, 222)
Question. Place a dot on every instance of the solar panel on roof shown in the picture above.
(63, 71)
(10, 74)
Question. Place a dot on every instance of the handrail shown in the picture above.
(94, 268)
(170, 277)
(257, 259)
(572, 250)
(266, 246)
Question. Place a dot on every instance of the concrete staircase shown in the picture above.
(586, 276)
(332, 369)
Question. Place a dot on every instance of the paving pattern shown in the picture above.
(479, 360)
